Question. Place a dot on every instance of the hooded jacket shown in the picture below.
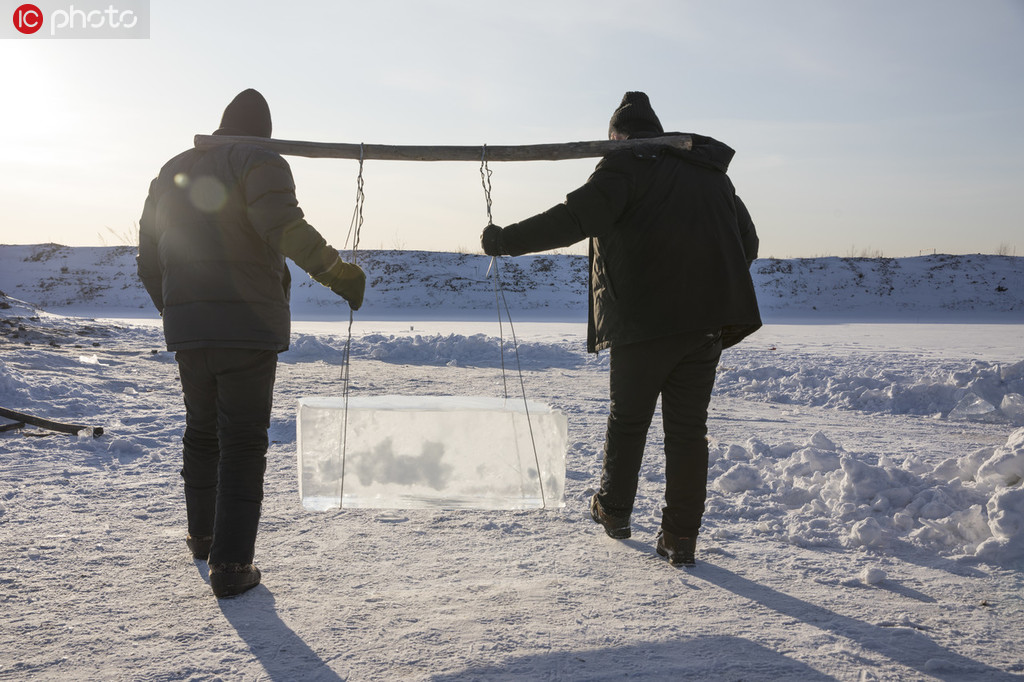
(670, 245)
(213, 237)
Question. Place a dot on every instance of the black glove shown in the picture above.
(346, 280)
(491, 241)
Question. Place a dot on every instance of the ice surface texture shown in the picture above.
(449, 452)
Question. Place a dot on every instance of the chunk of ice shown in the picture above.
(1013, 407)
(448, 452)
(974, 408)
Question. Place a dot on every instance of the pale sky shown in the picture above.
(860, 128)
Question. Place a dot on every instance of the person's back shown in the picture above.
(670, 250)
(221, 250)
(213, 237)
(675, 256)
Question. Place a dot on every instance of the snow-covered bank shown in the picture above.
(937, 288)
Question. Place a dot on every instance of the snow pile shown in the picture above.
(872, 575)
(476, 350)
(983, 391)
(452, 350)
(17, 389)
(12, 387)
(998, 525)
(309, 348)
(817, 494)
(977, 391)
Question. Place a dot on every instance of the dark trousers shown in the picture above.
(228, 397)
(681, 369)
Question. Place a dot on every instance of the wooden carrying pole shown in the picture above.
(527, 152)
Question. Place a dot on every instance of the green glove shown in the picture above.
(346, 280)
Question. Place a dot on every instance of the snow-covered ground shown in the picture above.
(865, 516)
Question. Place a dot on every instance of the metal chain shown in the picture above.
(485, 180)
(354, 229)
(499, 299)
(357, 213)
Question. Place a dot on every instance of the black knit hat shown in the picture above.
(248, 114)
(635, 115)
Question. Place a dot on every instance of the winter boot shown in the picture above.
(615, 526)
(227, 580)
(679, 550)
(200, 546)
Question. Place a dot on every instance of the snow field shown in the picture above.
(812, 493)
(843, 540)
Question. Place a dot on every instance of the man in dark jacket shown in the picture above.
(213, 237)
(670, 250)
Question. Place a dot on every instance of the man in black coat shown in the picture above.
(213, 237)
(670, 251)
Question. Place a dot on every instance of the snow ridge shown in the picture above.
(425, 283)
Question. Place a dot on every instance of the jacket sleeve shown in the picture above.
(589, 211)
(147, 262)
(552, 229)
(274, 213)
(748, 235)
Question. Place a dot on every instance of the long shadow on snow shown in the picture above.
(904, 646)
(922, 557)
(280, 651)
(701, 658)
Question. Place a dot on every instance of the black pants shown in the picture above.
(681, 369)
(228, 397)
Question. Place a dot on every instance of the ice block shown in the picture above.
(448, 452)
